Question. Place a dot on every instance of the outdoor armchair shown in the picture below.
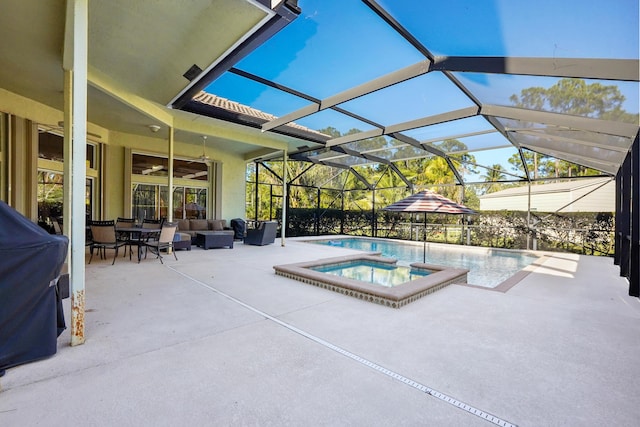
(265, 234)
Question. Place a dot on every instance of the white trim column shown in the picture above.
(170, 171)
(75, 64)
(68, 157)
(284, 197)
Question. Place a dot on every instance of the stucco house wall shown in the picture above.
(227, 191)
(585, 195)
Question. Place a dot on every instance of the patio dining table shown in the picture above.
(137, 236)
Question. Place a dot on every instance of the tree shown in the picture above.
(458, 151)
(330, 131)
(494, 173)
(542, 166)
(532, 161)
(575, 97)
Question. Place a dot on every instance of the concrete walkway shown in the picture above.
(216, 338)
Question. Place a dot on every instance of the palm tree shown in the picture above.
(494, 174)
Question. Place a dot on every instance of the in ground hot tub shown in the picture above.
(374, 278)
(373, 272)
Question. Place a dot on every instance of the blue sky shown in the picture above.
(335, 45)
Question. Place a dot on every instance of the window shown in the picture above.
(51, 178)
(151, 202)
(144, 201)
(150, 195)
(51, 147)
(149, 165)
(195, 202)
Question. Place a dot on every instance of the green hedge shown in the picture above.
(589, 233)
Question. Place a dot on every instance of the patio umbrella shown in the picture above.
(428, 201)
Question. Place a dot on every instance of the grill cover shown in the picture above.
(239, 227)
(31, 315)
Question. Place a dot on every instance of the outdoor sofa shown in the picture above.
(193, 226)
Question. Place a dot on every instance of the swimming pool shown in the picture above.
(487, 267)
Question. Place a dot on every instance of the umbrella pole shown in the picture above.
(424, 240)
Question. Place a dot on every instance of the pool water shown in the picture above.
(372, 272)
(486, 268)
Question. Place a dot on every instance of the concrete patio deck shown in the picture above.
(216, 338)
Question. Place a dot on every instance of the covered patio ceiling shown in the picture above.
(141, 56)
(393, 80)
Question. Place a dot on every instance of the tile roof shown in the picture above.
(235, 107)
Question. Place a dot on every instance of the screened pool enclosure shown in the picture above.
(383, 98)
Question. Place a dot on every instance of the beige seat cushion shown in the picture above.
(198, 224)
(216, 224)
(183, 225)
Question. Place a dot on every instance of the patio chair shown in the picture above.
(125, 237)
(265, 234)
(104, 237)
(125, 222)
(138, 239)
(57, 226)
(152, 223)
(165, 241)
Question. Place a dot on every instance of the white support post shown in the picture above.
(170, 180)
(170, 171)
(529, 235)
(68, 159)
(76, 63)
(284, 197)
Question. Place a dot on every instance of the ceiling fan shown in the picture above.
(203, 157)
